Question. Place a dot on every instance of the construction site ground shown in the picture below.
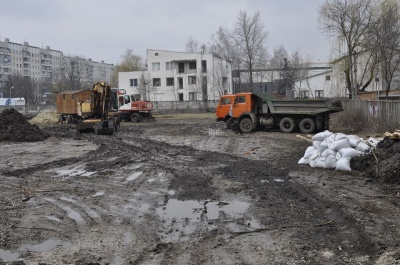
(185, 190)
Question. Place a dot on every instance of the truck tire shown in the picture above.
(246, 125)
(287, 125)
(69, 119)
(307, 125)
(229, 123)
(135, 117)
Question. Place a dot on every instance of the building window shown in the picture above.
(191, 80)
(305, 94)
(192, 95)
(204, 66)
(133, 82)
(170, 81)
(327, 78)
(192, 65)
(156, 81)
(319, 93)
(169, 66)
(180, 96)
(156, 66)
(156, 54)
(181, 67)
(180, 82)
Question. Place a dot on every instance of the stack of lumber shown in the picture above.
(394, 135)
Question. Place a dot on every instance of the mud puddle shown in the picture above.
(185, 218)
(47, 245)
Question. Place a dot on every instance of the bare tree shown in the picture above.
(130, 62)
(75, 68)
(387, 36)
(348, 20)
(145, 85)
(250, 37)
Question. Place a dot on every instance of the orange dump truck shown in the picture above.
(249, 111)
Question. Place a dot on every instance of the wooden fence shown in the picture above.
(382, 114)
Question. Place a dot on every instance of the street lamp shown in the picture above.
(376, 87)
(10, 90)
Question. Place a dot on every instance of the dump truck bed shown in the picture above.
(301, 106)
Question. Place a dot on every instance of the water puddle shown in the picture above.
(74, 172)
(99, 193)
(182, 218)
(47, 245)
(134, 176)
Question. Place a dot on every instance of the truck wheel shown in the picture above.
(287, 125)
(229, 123)
(69, 119)
(307, 125)
(135, 117)
(246, 125)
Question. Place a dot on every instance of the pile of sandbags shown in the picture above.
(335, 150)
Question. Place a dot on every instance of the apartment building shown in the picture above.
(40, 64)
(179, 76)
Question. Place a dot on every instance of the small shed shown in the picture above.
(67, 101)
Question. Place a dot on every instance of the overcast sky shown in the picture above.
(102, 30)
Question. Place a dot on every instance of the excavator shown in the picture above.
(94, 113)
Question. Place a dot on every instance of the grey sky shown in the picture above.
(104, 29)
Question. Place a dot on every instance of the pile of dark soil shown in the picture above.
(14, 127)
(383, 163)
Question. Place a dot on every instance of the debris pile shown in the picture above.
(14, 127)
(382, 163)
(335, 150)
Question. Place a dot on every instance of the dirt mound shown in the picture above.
(14, 127)
(383, 163)
(45, 118)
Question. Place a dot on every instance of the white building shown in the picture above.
(318, 83)
(179, 76)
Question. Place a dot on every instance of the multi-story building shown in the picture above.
(179, 76)
(40, 64)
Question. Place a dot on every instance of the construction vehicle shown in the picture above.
(249, 111)
(131, 107)
(88, 109)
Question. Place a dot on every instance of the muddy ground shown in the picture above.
(187, 191)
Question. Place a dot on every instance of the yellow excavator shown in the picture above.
(94, 113)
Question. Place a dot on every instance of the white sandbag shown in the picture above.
(353, 140)
(316, 144)
(340, 136)
(343, 164)
(322, 146)
(362, 147)
(308, 151)
(321, 136)
(318, 162)
(330, 162)
(303, 161)
(314, 155)
(373, 141)
(338, 156)
(327, 152)
(349, 152)
(339, 144)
